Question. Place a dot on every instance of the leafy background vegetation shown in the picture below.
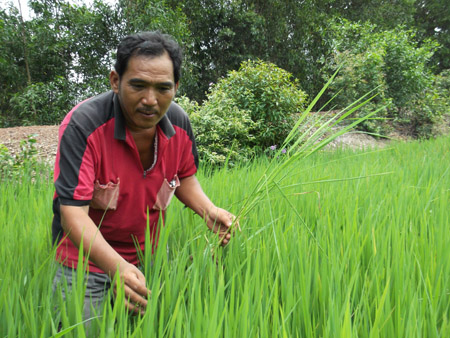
(63, 54)
(246, 112)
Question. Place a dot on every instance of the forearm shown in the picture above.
(217, 219)
(79, 227)
(191, 194)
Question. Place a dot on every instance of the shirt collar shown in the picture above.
(120, 132)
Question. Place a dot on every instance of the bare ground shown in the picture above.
(47, 140)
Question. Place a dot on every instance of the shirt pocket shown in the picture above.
(166, 193)
(105, 196)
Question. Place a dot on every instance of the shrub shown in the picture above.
(430, 107)
(42, 103)
(361, 73)
(267, 93)
(12, 166)
(222, 131)
(245, 113)
(394, 63)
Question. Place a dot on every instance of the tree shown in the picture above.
(393, 63)
(222, 35)
(432, 18)
(68, 47)
(12, 59)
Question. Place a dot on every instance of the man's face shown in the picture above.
(145, 90)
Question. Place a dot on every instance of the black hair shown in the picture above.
(148, 44)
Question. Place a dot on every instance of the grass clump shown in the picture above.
(245, 113)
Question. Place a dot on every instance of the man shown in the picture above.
(120, 154)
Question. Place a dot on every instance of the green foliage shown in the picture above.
(222, 130)
(77, 43)
(386, 14)
(270, 96)
(405, 63)
(246, 112)
(220, 33)
(395, 64)
(360, 73)
(14, 166)
(42, 103)
(432, 21)
(63, 54)
(430, 107)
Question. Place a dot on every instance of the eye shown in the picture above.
(137, 86)
(164, 89)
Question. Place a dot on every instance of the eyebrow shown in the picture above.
(140, 81)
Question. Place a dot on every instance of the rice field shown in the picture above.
(353, 244)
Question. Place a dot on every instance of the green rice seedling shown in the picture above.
(383, 270)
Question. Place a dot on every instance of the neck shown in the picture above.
(144, 140)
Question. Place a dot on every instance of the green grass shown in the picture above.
(340, 251)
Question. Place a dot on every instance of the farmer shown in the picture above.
(121, 154)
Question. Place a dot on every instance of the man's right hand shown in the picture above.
(136, 293)
(79, 227)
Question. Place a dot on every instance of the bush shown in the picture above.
(394, 63)
(12, 167)
(361, 73)
(430, 107)
(222, 131)
(42, 103)
(269, 95)
(245, 113)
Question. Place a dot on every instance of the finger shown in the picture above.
(134, 297)
(137, 283)
(142, 290)
(215, 227)
(225, 238)
(135, 308)
(233, 223)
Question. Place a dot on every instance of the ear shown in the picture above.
(176, 87)
(114, 80)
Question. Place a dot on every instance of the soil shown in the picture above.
(47, 140)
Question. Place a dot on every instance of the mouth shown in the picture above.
(147, 113)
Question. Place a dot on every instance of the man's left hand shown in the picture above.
(218, 220)
(221, 221)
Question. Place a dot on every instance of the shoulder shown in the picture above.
(178, 116)
(90, 114)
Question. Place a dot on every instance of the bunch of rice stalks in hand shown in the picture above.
(304, 140)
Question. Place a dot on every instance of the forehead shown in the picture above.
(149, 67)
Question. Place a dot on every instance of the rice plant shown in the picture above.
(352, 244)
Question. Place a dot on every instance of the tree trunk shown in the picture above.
(24, 40)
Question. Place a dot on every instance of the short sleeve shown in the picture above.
(74, 183)
(178, 117)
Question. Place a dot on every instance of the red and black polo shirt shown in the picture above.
(98, 164)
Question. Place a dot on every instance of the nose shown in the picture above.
(149, 98)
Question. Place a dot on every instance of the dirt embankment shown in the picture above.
(47, 140)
